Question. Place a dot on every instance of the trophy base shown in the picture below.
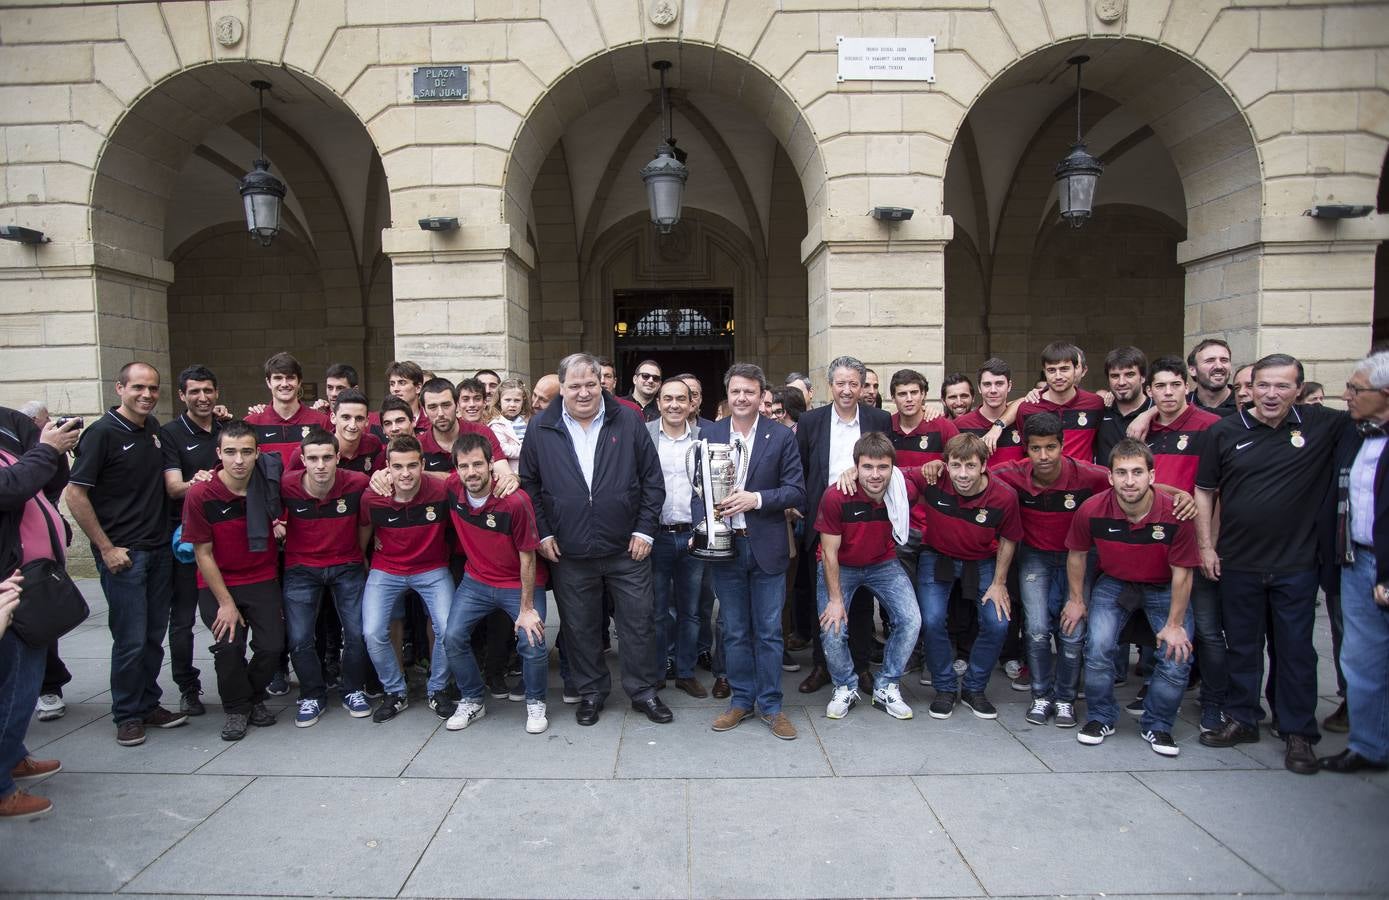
(716, 549)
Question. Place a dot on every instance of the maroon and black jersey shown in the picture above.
(437, 459)
(409, 536)
(1080, 416)
(863, 526)
(422, 425)
(924, 444)
(494, 535)
(1010, 447)
(213, 514)
(1177, 447)
(277, 435)
(370, 456)
(1047, 511)
(322, 533)
(968, 528)
(1142, 551)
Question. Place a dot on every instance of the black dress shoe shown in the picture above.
(1231, 733)
(586, 713)
(1300, 758)
(654, 709)
(721, 689)
(1348, 761)
(819, 677)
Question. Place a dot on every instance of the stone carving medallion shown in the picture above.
(1110, 11)
(663, 12)
(228, 31)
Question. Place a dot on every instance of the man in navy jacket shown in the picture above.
(593, 474)
(752, 586)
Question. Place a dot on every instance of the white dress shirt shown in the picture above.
(843, 436)
(1362, 490)
(585, 441)
(740, 520)
(676, 510)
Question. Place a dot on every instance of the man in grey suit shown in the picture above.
(676, 574)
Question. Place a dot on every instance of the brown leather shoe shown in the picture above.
(781, 726)
(130, 734)
(159, 717)
(19, 806)
(729, 718)
(722, 689)
(30, 768)
(865, 683)
(795, 643)
(1339, 721)
(692, 687)
(819, 677)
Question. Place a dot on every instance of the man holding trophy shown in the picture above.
(741, 530)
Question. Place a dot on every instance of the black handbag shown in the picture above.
(50, 605)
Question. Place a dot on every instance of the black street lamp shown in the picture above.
(665, 175)
(262, 194)
(1077, 174)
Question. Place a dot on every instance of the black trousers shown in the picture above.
(55, 674)
(242, 683)
(182, 613)
(579, 585)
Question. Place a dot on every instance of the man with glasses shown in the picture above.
(645, 384)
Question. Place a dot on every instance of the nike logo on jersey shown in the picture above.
(1243, 445)
(191, 447)
(301, 510)
(942, 503)
(127, 446)
(858, 514)
(227, 510)
(1113, 530)
(395, 519)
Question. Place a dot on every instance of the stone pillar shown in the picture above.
(876, 291)
(461, 299)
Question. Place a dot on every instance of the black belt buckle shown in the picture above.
(677, 528)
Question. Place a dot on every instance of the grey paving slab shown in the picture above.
(108, 827)
(183, 750)
(585, 838)
(1133, 842)
(326, 836)
(497, 746)
(689, 748)
(77, 716)
(1323, 833)
(91, 676)
(868, 742)
(86, 643)
(337, 745)
(729, 820)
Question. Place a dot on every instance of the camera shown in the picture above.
(62, 421)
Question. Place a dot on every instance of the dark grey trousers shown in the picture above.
(579, 585)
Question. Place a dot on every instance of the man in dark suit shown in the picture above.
(752, 586)
(826, 436)
(1362, 469)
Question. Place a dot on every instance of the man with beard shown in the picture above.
(1126, 368)
(646, 381)
(957, 394)
(1209, 366)
(871, 394)
(994, 421)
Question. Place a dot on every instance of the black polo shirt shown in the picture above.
(122, 467)
(1226, 408)
(1114, 427)
(188, 449)
(1272, 482)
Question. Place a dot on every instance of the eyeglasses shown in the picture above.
(647, 376)
(1358, 390)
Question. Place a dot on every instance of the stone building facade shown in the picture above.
(125, 125)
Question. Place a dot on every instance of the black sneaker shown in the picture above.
(979, 704)
(278, 686)
(943, 705)
(670, 669)
(443, 707)
(392, 706)
(235, 727)
(705, 661)
(1135, 706)
(1162, 743)
(189, 704)
(518, 691)
(787, 663)
(261, 717)
(1094, 732)
(497, 687)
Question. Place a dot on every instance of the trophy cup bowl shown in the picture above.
(714, 470)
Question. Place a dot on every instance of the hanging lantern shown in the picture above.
(1077, 174)
(665, 175)
(262, 194)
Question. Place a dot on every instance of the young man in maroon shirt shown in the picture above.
(915, 440)
(238, 593)
(281, 425)
(1080, 410)
(1051, 487)
(499, 538)
(857, 549)
(440, 405)
(1146, 555)
(322, 502)
(994, 420)
(359, 450)
(972, 528)
(406, 530)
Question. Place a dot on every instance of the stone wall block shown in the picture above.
(32, 143)
(349, 52)
(1188, 21)
(268, 28)
(540, 50)
(622, 22)
(1356, 26)
(190, 31)
(576, 26)
(51, 25)
(740, 32)
(310, 31)
(787, 38)
(34, 64)
(116, 68)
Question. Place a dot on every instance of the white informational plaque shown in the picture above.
(887, 59)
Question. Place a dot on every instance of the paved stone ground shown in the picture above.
(867, 806)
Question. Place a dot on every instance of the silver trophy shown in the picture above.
(718, 469)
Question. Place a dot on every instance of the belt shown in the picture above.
(740, 532)
(677, 528)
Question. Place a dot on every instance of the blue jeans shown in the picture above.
(888, 580)
(1042, 583)
(303, 587)
(1210, 641)
(1107, 619)
(934, 597)
(1364, 658)
(21, 674)
(472, 602)
(677, 577)
(750, 602)
(138, 615)
(380, 602)
(1250, 604)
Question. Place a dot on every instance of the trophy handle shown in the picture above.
(690, 467)
(744, 461)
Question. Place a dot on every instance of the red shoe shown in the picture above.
(30, 769)
(20, 806)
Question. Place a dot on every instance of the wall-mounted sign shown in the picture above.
(887, 59)
(441, 83)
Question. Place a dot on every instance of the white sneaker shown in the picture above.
(468, 712)
(888, 698)
(844, 699)
(961, 666)
(49, 707)
(1012, 668)
(535, 717)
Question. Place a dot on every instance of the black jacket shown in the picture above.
(1346, 449)
(628, 488)
(813, 439)
(40, 468)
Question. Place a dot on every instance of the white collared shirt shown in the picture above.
(843, 436)
(1362, 490)
(676, 509)
(740, 520)
(585, 441)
